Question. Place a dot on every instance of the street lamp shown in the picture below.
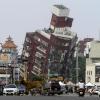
(49, 63)
(18, 73)
(77, 67)
(11, 72)
(7, 66)
(27, 76)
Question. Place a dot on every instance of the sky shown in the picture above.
(20, 16)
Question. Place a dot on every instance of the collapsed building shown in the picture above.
(49, 52)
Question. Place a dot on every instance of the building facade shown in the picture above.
(49, 52)
(93, 63)
(83, 46)
(8, 61)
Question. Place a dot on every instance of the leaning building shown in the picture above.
(49, 52)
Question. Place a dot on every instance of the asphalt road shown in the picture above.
(61, 97)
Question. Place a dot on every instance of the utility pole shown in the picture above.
(18, 73)
(6, 76)
(77, 68)
(14, 68)
(48, 68)
(14, 72)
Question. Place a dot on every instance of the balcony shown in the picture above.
(41, 49)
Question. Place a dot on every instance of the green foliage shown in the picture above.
(37, 82)
(32, 84)
(37, 78)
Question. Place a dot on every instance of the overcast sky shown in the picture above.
(20, 16)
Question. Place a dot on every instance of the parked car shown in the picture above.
(21, 89)
(10, 89)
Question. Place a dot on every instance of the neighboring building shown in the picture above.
(50, 51)
(83, 46)
(82, 52)
(93, 64)
(8, 60)
(62, 42)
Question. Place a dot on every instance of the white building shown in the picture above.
(93, 64)
(8, 61)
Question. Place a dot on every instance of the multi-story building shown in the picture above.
(8, 61)
(34, 53)
(93, 64)
(50, 51)
(83, 46)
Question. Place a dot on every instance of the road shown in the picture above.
(61, 97)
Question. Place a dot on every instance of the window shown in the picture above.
(87, 72)
(97, 70)
(91, 72)
(87, 55)
(97, 79)
(97, 73)
(10, 86)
